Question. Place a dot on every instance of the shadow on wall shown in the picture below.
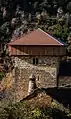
(61, 95)
(65, 68)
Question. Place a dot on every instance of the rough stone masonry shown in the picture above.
(45, 71)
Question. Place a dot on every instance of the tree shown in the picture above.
(69, 7)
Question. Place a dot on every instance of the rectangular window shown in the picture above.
(35, 61)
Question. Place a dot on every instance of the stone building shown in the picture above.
(37, 53)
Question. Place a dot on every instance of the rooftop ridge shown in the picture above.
(17, 38)
(51, 36)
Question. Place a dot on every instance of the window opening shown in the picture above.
(35, 61)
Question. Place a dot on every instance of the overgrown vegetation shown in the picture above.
(26, 110)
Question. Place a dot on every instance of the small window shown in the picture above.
(35, 61)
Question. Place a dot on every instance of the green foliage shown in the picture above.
(1, 75)
(36, 113)
(61, 31)
(26, 110)
(57, 30)
(18, 8)
(69, 7)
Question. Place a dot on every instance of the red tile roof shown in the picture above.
(36, 37)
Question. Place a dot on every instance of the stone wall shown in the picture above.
(45, 71)
(64, 81)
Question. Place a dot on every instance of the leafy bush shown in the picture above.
(26, 110)
(60, 31)
(1, 75)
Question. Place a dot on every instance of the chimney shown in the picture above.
(32, 84)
